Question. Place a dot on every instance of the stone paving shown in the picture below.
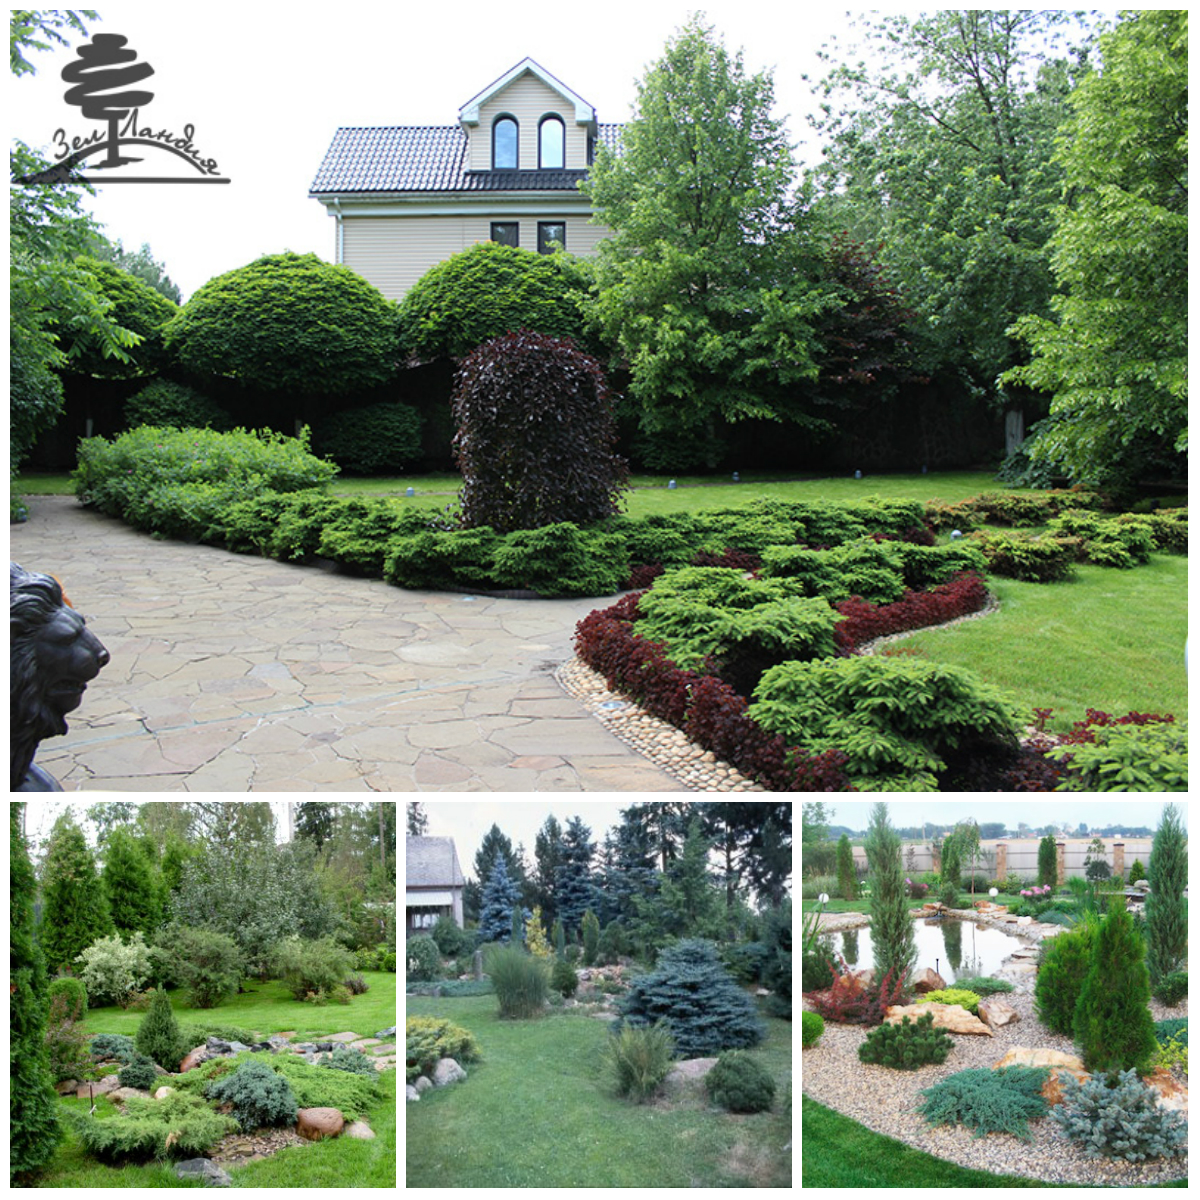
(234, 673)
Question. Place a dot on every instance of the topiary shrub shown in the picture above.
(988, 1101)
(1118, 1120)
(259, 1096)
(430, 1038)
(74, 996)
(691, 990)
(174, 405)
(955, 995)
(158, 1036)
(138, 1074)
(906, 1046)
(812, 1025)
(740, 1083)
(637, 1059)
(536, 430)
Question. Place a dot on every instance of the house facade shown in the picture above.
(433, 883)
(406, 197)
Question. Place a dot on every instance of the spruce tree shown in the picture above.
(33, 1129)
(891, 927)
(847, 885)
(573, 883)
(691, 990)
(591, 937)
(158, 1036)
(75, 909)
(1113, 1026)
(1166, 909)
(132, 884)
(500, 894)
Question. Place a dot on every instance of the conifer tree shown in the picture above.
(500, 895)
(847, 885)
(75, 910)
(1113, 1026)
(573, 883)
(891, 926)
(1047, 862)
(591, 937)
(688, 904)
(33, 1127)
(536, 941)
(158, 1036)
(132, 885)
(1166, 909)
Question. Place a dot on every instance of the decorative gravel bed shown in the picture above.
(885, 1100)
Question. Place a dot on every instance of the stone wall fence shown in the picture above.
(1001, 857)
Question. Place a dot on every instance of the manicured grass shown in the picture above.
(537, 1113)
(1109, 639)
(840, 1153)
(269, 1008)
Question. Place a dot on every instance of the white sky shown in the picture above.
(265, 86)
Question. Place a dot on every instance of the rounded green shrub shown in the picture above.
(812, 1025)
(259, 1096)
(563, 978)
(429, 1038)
(175, 405)
(74, 994)
(423, 958)
(138, 1074)
(374, 440)
(314, 968)
(740, 1083)
(906, 1046)
(960, 996)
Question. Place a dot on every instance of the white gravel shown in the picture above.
(885, 1100)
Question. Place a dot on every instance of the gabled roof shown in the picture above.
(431, 862)
(584, 112)
(426, 158)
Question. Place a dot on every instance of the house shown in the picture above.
(405, 197)
(433, 883)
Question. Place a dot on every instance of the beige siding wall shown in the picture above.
(529, 100)
(393, 252)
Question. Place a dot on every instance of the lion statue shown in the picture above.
(53, 657)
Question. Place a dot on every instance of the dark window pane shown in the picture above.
(507, 233)
(552, 235)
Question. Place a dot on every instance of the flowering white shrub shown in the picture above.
(113, 970)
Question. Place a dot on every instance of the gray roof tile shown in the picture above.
(431, 862)
(426, 158)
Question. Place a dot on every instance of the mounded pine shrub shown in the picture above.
(138, 1074)
(693, 993)
(259, 1096)
(988, 1100)
(812, 1025)
(179, 1126)
(740, 1083)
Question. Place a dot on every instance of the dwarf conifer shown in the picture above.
(158, 1036)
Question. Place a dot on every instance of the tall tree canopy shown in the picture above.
(74, 905)
(1113, 354)
(701, 287)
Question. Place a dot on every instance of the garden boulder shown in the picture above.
(317, 1123)
(995, 1012)
(447, 1071)
(193, 1060)
(359, 1130)
(205, 1170)
(951, 1017)
(690, 1070)
(1056, 1060)
(411, 1094)
(928, 980)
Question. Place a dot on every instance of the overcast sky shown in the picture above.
(1094, 812)
(266, 87)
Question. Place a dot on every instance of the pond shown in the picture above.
(955, 949)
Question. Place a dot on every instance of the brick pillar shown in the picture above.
(1118, 858)
(1001, 860)
(1062, 863)
(937, 859)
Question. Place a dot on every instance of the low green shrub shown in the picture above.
(343, 1058)
(423, 960)
(637, 1059)
(955, 995)
(74, 996)
(432, 559)
(378, 439)
(740, 1083)
(560, 560)
(113, 1045)
(988, 1101)
(1172, 988)
(284, 525)
(175, 405)
(563, 978)
(258, 1095)
(984, 985)
(812, 1025)
(1127, 758)
(907, 1045)
(430, 1038)
(178, 1126)
(1036, 558)
(138, 1074)
(522, 982)
(358, 530)
(1118, 1118)
(1124, 541)
(312, 968)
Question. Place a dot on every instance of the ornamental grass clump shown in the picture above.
(522, 982)
(1118, 1117)
(988, 1101)
(906, 1046)
(637, 1059)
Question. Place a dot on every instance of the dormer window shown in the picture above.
(552, 140)
(504, 144)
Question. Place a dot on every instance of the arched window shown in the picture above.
(552, 139)
(504, 144)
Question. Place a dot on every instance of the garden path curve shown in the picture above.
(234, 673)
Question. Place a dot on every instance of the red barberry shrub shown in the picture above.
(863, 622)
(536, 431)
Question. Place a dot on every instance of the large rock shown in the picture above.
(689, 1070)
(1056, 1060)
(205, 1170)
(951, 1017)
(447, 1071)
(1171, 1093)
(163, 1092)
(121, 1094)
(317, 1123)
(927, 980)
(101, 1087)
(423, 1084)
(359, 1130)
(996, 1013)
(389, 1032)
(193, 1060)
(411, 1094)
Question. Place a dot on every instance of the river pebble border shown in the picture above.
(885, 1100)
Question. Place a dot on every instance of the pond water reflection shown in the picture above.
(955, 949)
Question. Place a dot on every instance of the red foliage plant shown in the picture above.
(863, 622)
(851, 1001)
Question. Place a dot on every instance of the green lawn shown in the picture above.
(536, 1113)
(266, 1008)
(840, 1153)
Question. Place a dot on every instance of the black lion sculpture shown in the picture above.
(53, 657)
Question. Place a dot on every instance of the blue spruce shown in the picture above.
(500, 897)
